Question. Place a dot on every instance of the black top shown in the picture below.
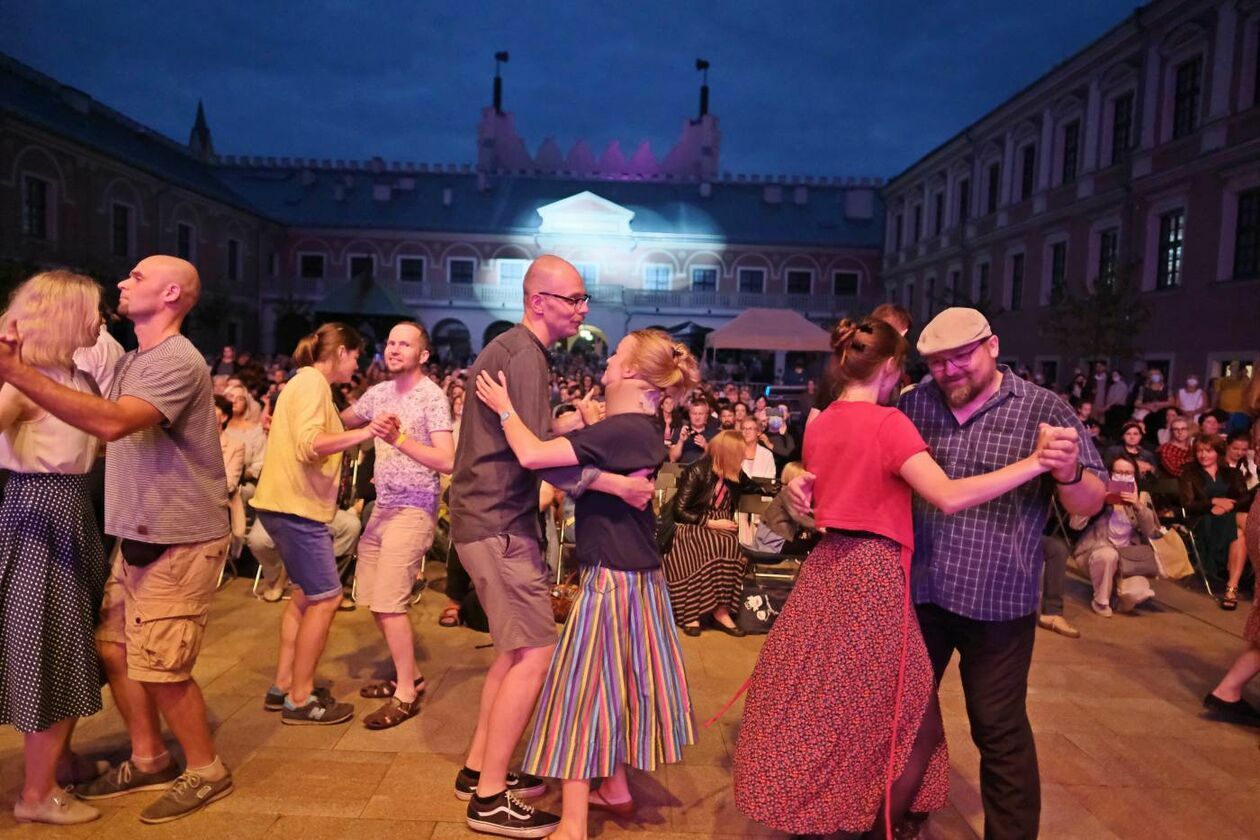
(690, 452)
(610, 533)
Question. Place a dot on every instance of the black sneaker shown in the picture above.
(507, 816)
(1239, 711)
(273, 701)
(522, 785)
(126, 778)
(320, 709)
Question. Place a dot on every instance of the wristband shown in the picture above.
(1080, 473)
(400, 440)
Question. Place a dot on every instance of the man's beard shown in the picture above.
(396, 368)
(962, 392)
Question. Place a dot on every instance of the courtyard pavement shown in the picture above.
(1124, 752)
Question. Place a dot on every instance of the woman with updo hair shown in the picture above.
(616, 693)
(295, 500)
(842, 732)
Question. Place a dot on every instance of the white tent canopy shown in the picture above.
(770, 329)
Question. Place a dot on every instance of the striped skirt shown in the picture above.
(705, 571)
(617, 689)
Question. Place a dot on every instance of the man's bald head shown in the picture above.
(159, 287)
(173, 271)
(550, 273)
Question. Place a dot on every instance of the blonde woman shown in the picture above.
(638, 712)
(52, 567)
(704, 566)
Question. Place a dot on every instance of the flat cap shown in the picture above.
(957, 326)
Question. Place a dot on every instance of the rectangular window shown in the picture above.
(184, 241)
(910, 297)
(460, 270)
(917, 230)
(658, 277)
(897, 232)
(121, 229)
(1121, 127)
(273, 264)
(512, 272)
(964, 200)
(1058, 271)
(362, 265)
(1186, 97)
(844, 283)
(1017, 282)
(411, 269)
(938, 213)
(752, 281)
(982, 294)
(1028, 172)
(35, 208)
(951, 287)
(1247, 235)
(311, 266)
(1071, 150)
(994, 185)
(589, 272)
(1108, 246)
(233, 259)
(1171, 231)
(929, 298)
(800, 282)
(704, 279)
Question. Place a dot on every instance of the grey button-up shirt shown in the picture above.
(986, 562)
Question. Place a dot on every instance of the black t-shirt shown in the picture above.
(691, 452)
(610, 533)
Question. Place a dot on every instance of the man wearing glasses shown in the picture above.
(976, 576)
(494, 524)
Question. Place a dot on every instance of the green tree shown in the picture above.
(1103, 322)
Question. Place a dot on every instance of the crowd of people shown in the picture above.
(927, 506)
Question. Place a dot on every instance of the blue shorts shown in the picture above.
(306, 550)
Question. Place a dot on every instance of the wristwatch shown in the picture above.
(1080, 473)
(503, 417)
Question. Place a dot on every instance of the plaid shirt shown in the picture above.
(985, 562)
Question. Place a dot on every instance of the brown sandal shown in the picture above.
(621, 810)
(386, 688)
(1229, 601)
(450, 617)
(392, 713)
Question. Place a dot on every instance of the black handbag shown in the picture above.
(666, 525)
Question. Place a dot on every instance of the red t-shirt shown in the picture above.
(856, 450)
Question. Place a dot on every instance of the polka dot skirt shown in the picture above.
(52, 577)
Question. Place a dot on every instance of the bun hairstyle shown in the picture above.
(663, 363)
(323, 343)
(860, 347)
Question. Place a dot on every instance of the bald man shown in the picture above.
(494, 524)
(166, 502)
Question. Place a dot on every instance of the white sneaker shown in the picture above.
(1101, 609)
(1058, 624)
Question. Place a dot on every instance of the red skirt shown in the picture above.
(814, 743)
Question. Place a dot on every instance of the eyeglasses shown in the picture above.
(574, 300)
(960, 359)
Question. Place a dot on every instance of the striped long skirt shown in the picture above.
(617, 689)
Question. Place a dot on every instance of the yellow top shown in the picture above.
(294, 479)
(1231, 393)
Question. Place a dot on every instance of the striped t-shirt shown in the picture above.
(166, 484)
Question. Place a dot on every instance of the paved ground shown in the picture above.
(1123, 750)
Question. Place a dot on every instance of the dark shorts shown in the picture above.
(306, 550)
(513, 585)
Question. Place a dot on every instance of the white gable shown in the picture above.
(585, 212)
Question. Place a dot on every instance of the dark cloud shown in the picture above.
(850, 87)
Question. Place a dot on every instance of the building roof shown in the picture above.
(483, 203)
(70, 113)
(364, 296)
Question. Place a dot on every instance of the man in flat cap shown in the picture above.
(976, 576)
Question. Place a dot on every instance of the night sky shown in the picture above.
(857, 87)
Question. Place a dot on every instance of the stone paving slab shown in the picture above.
(1123, 750)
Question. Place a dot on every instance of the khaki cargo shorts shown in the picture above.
(159, 612)
(390, 550)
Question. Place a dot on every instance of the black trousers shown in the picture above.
(994, 657)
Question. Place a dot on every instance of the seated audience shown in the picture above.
(1131, 445)
(1215, 493)
(694, 435)
(1116, 543)
(758, 460)
(1176, 453)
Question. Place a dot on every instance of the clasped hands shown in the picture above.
(1058, 451)
(386, 426)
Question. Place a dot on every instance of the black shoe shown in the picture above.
(522, 785)
(736, 631)
(273, 701)
(1239, 711)
(507, 816)
(319, 710)
(691, 631)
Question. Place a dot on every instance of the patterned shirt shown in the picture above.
(985, 562)
(400, 480)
